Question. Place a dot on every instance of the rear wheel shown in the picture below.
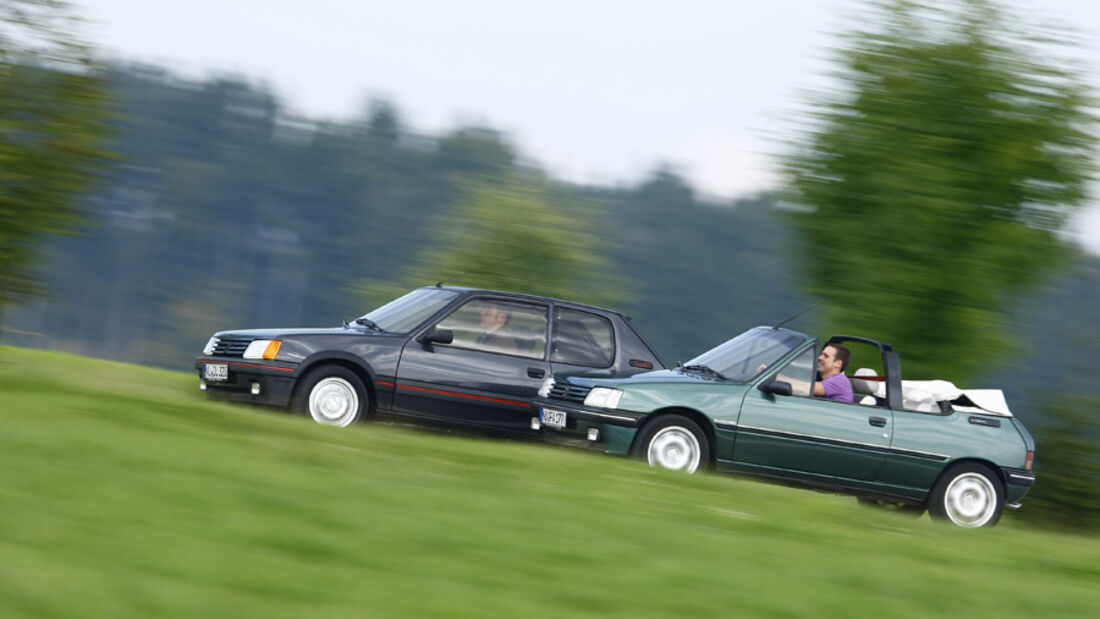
(674, 442)
(968, 494)
(333, 396)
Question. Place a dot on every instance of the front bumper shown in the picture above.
(265, 382)
(610, 431)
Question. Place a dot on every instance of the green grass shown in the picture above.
(124, 493)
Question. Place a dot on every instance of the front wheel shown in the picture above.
(674, 442)
(968, 494)
(333, 396)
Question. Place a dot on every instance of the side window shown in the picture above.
(800, 373)
(499, 326)
(582, 338)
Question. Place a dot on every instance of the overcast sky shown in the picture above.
(597, 91)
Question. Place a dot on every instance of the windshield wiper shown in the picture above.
(704, 369)
(370, 324)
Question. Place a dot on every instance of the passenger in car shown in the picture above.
(834, 384)
(494, 320)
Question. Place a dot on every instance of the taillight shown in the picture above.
(1030, 459)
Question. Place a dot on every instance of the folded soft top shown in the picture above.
(925, 395)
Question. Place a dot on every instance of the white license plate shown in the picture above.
(552, 418)
(215, 371)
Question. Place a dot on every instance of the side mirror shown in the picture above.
(777, 387)
(437, 336)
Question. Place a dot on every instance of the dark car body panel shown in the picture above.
(408, 376)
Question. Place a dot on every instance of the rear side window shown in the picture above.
(582, 338)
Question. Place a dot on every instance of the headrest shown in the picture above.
(868, 385)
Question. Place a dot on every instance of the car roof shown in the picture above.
(524, 296)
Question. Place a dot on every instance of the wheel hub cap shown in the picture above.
(674, 448)
(333, 401)
(970, 500)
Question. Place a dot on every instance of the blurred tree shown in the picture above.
(53, 122)
(383, 123)
(938, 178)
(1067, 463)
(509, 232)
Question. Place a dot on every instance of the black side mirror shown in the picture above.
(777, 387)
(437, 336)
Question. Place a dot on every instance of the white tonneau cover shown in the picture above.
(925, 395)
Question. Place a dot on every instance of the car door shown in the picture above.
(805, 437)
(487, 374)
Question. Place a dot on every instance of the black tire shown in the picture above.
(968, 494)
(332, 395)
(900, 507)
(674, 442)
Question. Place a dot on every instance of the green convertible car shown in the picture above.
(747, 407)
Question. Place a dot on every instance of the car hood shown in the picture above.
(267, 334)
(657, 376)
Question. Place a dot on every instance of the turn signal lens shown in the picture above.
(262, 349)
(1030, 459)
(272, 349)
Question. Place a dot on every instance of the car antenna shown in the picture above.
(439, 284)
(812, 307)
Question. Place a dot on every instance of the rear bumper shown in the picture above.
(269, 382)
(1019, 481)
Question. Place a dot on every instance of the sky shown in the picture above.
(595, 91)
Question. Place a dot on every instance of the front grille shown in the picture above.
(231, 346)
(568, 392)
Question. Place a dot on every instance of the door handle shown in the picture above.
(878, 422)
(536, 372)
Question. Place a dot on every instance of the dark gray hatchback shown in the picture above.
(438, 354)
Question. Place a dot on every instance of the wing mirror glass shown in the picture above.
(437, 336)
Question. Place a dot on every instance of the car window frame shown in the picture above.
(812, 374)
(553, 333)
(533, 303)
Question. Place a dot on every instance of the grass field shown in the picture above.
(124, 493)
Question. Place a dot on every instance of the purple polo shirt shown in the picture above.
(839, 388)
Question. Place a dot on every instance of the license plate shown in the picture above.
(552, 418)
(215, 371)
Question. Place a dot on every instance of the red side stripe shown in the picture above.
(466, 395)
(255, 365)
(383, 383)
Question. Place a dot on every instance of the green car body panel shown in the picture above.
(871, 451)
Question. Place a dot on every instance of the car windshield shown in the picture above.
(744, 357)
(405, 313)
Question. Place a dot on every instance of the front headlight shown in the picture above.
(547, 385)
(210, 344)
(262, 349)
(603, 397)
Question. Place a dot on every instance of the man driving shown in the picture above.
(834, 385)
(494, 319)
